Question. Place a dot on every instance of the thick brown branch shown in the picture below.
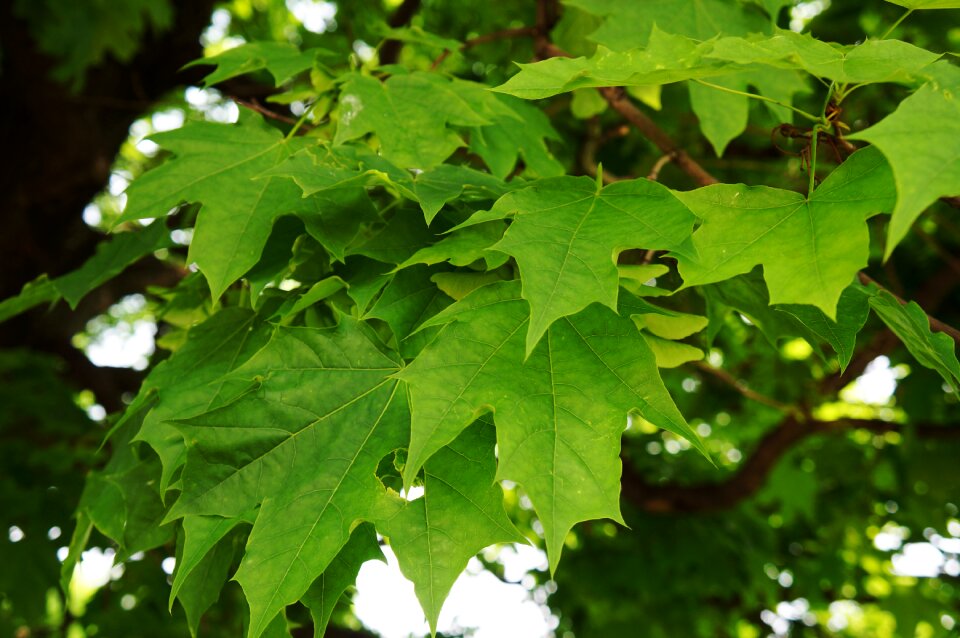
(753, 473)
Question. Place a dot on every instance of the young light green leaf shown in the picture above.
(672, 354)
(559, 413)
(567, 232)
(912, 139)
(307, 457)
(810, 249)
(281, 60)
(460, 513)
(928, 4)
(629, 24)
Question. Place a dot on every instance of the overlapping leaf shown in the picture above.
(628, 24)
(567, 232)
(559, 412)
(910, 323)
(193, 381)
(281, 60)
(810, 248)
(460, 513)
(912, 139)
(673, 58)
(307, 457)
(238, 210)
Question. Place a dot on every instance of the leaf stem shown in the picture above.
(809, 116)
(812, 168)
(300, 121)
(896, 24)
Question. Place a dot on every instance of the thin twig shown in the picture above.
(742, 387)
(617, 98)
(503, 34)
(264, 111)
(591, 144)
(935, 324)
(654, 173)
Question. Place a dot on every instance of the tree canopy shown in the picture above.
(665, 289)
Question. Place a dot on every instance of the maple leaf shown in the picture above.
(559, 413)
(567, 232)
(238, 210)
(810, 248)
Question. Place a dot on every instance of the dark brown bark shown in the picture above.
(58, 148)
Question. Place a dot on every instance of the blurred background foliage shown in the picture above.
(850, 530)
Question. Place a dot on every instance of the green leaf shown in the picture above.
(810, 249)
(628, 24)
(460, 284)
(463, 247)
(668, 59)
(416, 35)
(912, 138)
(40, 290)
(238, 211)
(852, 311)
(567, 232)
(872, 61)
(193, 381)
(723, 116)
(928, 4)
(110, 259)
(324, 593)
(460, 513)
(518, 130)
(559, 413)
(307, 458)
(281, 60)
(421, 101)
(936, 351)
(406, 302)
(202, 565)
(318, 292)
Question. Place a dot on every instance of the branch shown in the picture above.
(390, 51)
(617, 98)
(503, 34)
(740, 386)
(255, 106)
(753, 473)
